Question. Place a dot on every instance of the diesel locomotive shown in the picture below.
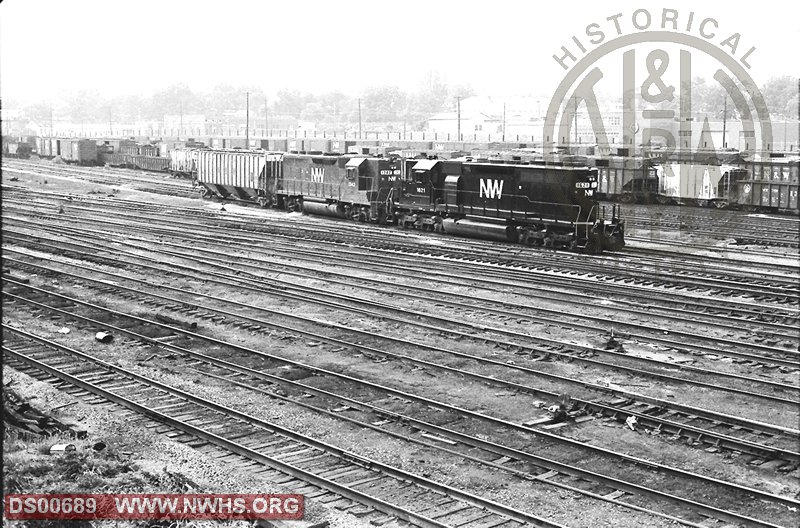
(533, 204)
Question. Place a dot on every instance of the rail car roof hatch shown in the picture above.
(424, 165)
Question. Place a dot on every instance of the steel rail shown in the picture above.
(350, 493)
(472, 414)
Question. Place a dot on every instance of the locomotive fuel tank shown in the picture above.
(324, 209)
(474, 229)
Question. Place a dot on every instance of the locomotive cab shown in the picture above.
(356, 174)
(417, 191)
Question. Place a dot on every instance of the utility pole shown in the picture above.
(575, 100)
(180, 126)
(247, 123)
(110, 123)
(458, 107)
(359, 118)
(504, 121)
(785, 132)
(51, 119)
(724, 120)
(266, 118)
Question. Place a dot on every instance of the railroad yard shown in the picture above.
(404, 378)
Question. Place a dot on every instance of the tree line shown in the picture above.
(376, 104)
(226, 104)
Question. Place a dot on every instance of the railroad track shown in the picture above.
(138, 180)
(403, 265)
(726, 281)
(784, 327)
(742, 232)
(325, 469)
(554, 473)
(649, 409)
(249, 322)
(446, 325)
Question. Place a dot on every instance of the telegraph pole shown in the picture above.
(575, 100)
(247, 124)
(266, 118)
(785, 133)
(180, 126)
(359, 118)
(458, 107)
(504, 121)
(724, 120)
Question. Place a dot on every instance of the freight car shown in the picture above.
(134, 161)
(183, 162)
(627, 179)
(545, 205)
(725, 179)
(247, 175)
(79, 151)
(113, 152)
(70, 150)
(768, 185)
(703, 178)
(18, 147)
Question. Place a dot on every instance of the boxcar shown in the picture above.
(80, 151)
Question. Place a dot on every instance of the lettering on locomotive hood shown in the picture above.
(491, 188)
(586, 185)
(317, 174)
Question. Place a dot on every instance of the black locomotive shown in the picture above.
(534, 204)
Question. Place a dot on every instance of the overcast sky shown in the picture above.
(500, 47)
